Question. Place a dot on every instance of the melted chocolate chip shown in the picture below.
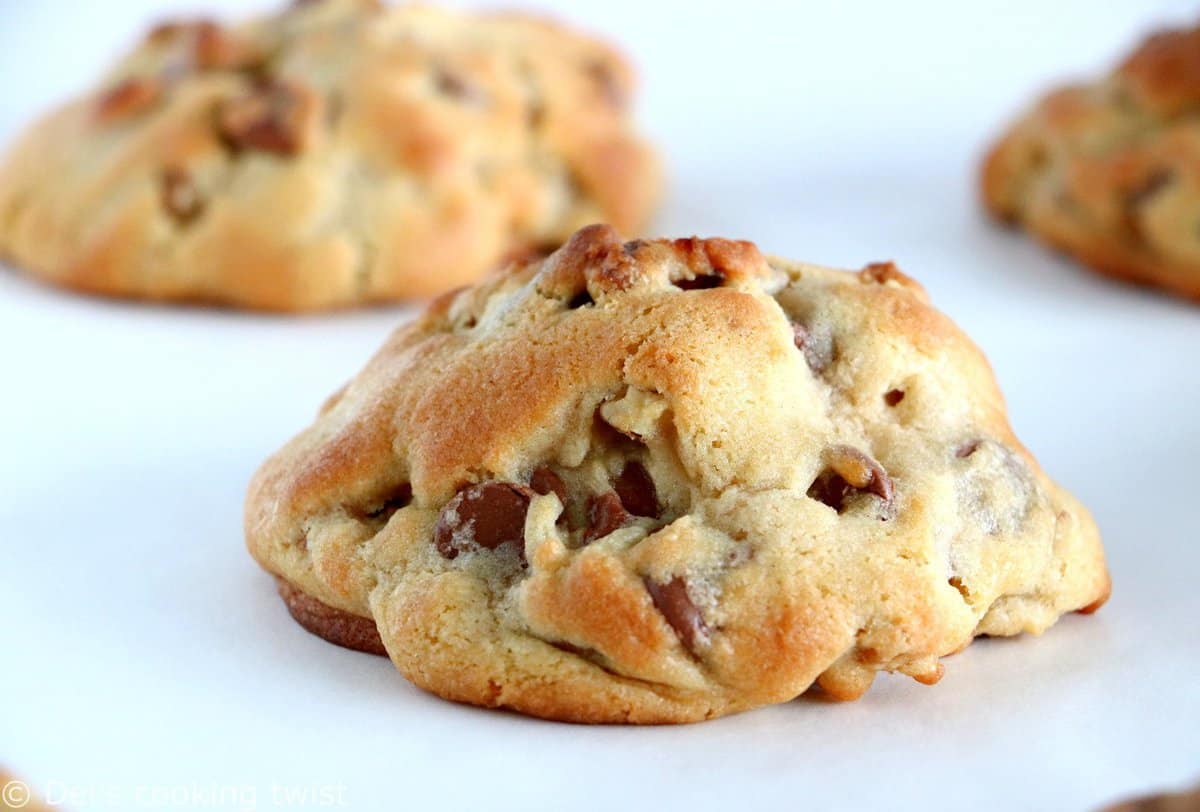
(400, 497)
(610, 436)
(893, 397)
(543, 480)
(850, 471)
(179, 195)
(830, 489)
(702, 282)
(799, 335)
(605, 513)
(636, 491)
(485, 515)
(673, 602)
(268, 120)
(817, 354)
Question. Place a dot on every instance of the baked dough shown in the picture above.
(329, 155)
(1109, 171)
(662, 481)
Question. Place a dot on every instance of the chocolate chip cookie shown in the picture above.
(335, 153)
(1109, 171)
(1188, 801)
(662, 481)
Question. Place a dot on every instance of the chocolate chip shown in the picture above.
(579, 300)
(485, 515)
(636, 491)
(673, 602)
(830, 489)
(270, 119)
(608, 435)
(799, 335)
(399, 498)
(128, 97)
(605, 513)
(607, 83)
(179, 195)
(451, 84)
(702, 282)
(893, 397)
(850, 471)
(543, 480)
(818, 354)
(967, 449)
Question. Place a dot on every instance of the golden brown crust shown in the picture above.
(1109, 172)
(332, 154)
(773, 473)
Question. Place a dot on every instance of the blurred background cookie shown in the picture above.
(1109, 171)
(334, 153)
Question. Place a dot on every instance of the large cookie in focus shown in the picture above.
(662, 481)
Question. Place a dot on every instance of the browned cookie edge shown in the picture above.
(338, 627)
(1186, 801)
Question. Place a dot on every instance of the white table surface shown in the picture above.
(146, 663)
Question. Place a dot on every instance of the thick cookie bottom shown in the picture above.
(338, 627)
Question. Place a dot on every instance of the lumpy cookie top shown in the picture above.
(665, 480)
(1109, 170)
(334, 153)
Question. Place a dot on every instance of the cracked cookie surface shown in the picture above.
(662, 481)
(1109, 171)
(335, 153)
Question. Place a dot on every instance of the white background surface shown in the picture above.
(142, 652)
